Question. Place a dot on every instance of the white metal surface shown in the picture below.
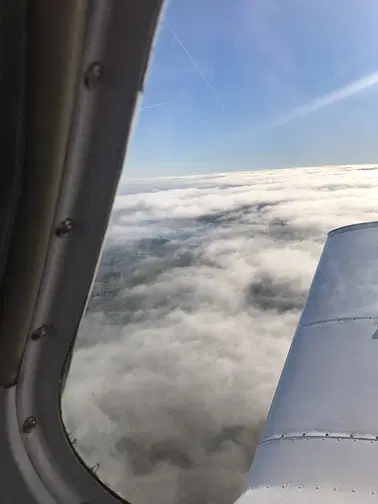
(298, 494)
(322, 428)
(345, 283)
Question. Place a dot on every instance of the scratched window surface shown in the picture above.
(256, 135)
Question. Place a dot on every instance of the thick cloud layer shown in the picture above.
(197, 297)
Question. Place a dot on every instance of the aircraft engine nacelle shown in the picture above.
(320, 441)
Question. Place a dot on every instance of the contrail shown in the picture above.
(342, 93)
(329, 99)
(153, 106)
(179, 41)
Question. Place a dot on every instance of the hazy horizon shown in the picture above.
(125, 178)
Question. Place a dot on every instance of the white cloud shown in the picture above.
(177, 362)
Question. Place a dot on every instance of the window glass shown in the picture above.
(256, 136)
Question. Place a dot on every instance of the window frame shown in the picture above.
(106, 75)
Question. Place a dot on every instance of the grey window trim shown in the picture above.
(117, 34)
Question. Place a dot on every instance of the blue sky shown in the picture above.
(259, 84)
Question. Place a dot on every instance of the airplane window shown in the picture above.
(256, 135)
